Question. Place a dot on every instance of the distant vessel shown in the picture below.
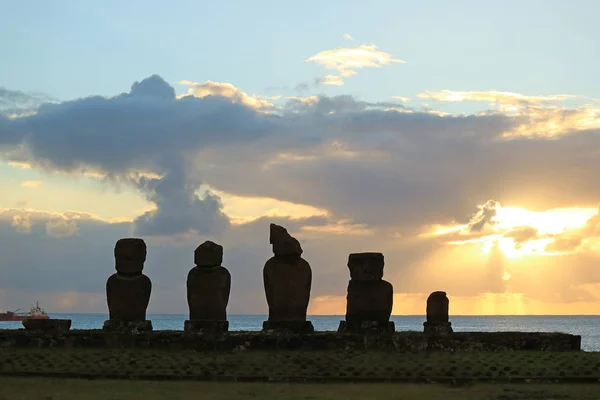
(35, 312)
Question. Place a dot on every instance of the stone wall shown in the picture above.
(241, 341)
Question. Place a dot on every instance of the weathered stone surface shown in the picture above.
(128, 291)
(53, 325)
(283, 243)
(208, 291)
(300, 327)
(287, 279)
(130, 255)
(443, 328)
(370, 299)
(208, 254)
(366, 326)
(127, 327)
(204, 327)
(437, 308)
(366, 266)
(251, 341)
(437, 315)
(128, 297)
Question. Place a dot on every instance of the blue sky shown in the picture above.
(70, 49)
(454, 140)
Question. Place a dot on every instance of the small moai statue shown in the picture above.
(287, 278)
(128, 290)
(208, 288)
(370, 299)
(437, 314)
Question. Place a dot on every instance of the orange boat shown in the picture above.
(35, 312)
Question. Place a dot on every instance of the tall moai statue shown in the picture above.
(208, 287)
(128, 290)
(370, 299)
(287, 278)
(437, 314)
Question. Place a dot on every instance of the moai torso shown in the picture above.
(208, 284)
(128, 290)
(370, 298)
(287, 278)
(437, 308)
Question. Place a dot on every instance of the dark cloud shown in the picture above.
(485, 215)
(401, 168)
(522, 235)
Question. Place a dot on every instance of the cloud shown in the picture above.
(15, 103)
(485, 215)
(348, 59)
(372, 176)
(30, 184)
(123, 137)
(401, 98)
(61, 228)
(492, 96)
(21, 223)
(227, 90)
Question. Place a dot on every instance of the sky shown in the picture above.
(461, 140)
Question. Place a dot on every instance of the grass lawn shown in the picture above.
(77, 389)
(316, 365)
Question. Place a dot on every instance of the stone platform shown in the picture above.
(298, 327)
(367, 327)
(201, 326)
(331, 341)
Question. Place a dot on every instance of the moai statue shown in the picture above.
(208, 287)
(437, 314)
(287, 278)
(370, 299)
(128, 290)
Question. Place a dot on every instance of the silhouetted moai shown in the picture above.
(128, 290)
(208, 287)
(370, 299)
(437, 314)
(287, 278)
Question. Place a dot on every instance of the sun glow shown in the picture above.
(519, 232)
(550, 222)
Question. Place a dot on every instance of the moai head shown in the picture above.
(283, 243)
(130, 255)
(366, 266)
(208, 254)
(437, 307)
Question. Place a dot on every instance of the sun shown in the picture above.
(546, 225)
(550, 222)
(518, 232)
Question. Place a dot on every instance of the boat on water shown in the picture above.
(35, 312)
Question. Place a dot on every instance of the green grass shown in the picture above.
(315, 365)
(76, 389)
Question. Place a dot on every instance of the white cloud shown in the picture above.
(492, 96)
(210, 88)
(347, 60)
(401, 98)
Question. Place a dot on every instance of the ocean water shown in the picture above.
(586, 326)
